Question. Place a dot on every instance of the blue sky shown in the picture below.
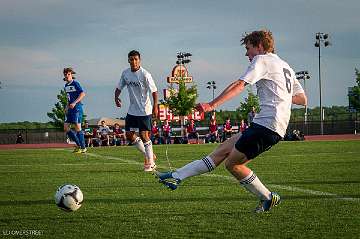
(40, 38)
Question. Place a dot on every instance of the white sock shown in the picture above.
(194, 168)
(149, 152)
(138, 143)
(253, 184)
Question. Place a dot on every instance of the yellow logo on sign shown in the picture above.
(178, 73)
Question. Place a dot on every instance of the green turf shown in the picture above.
(319, 183)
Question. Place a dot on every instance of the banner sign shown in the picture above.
(165, 113)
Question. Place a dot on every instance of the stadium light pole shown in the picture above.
(182, 60)
(321, 38)
(212, 85)
(303, 75)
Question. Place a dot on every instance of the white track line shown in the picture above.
(115, 158)
(290, 188)
(56, 164)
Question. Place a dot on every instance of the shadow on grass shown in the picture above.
(123, 201)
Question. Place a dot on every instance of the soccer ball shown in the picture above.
(69, 197)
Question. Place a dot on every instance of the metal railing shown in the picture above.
(42, 136)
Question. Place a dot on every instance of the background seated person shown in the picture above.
(155, 133)
(88, 135)
(213, 131)
(96, 142)
(104, 134)
(242, 126)
(227, 130)
(119, 137)
(166, 132)
(191, 132)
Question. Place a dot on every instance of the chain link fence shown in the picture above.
(32, 136)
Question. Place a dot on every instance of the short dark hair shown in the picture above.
(134, 53)
(69, 69)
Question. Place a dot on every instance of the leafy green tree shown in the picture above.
(57, 114)
(181, 102)
(354, 98)
(251, 101)
(25, 125)
(333, 113)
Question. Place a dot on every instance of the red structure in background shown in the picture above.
(165, 113)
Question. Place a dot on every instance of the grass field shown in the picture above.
(319, 183)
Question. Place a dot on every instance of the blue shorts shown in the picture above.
(255, 140)
(138, 123)
(74, 116)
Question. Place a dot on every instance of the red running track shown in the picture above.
(64, 145)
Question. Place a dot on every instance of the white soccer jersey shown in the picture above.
(104, 130)
(140, 85)
(276, 84)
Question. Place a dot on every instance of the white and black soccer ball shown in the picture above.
(69, 197)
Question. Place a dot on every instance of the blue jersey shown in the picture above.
(73, 90)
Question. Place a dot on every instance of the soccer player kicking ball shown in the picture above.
(140, 85)
(74, 111)
(277, 89)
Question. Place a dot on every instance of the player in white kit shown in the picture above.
(140, 85)
(277, 88)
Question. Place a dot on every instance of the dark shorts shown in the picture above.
(166, 134)
(193, 135)
(137, 123)
(255, 140)
(74, 116)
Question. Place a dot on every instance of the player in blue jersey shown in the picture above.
(74, 111)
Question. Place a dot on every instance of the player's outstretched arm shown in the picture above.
(232, 90)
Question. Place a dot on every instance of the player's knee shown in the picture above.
(223, 150)
(129, 136)
(77, 127)
(229, 165)
(144, 136)
(233, 166)
(236, 164)
(66, 128)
